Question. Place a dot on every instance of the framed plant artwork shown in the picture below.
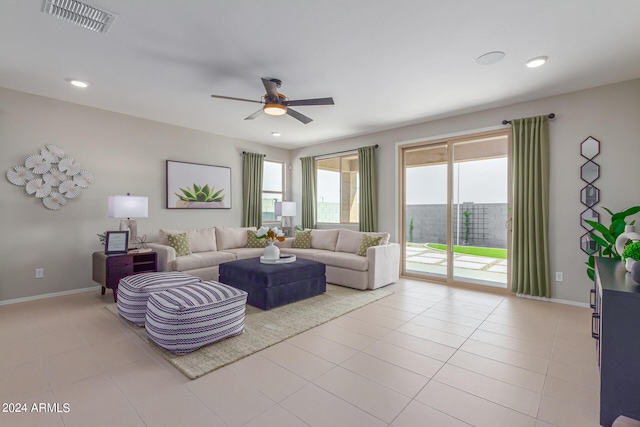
(196, 186)
(117, 242)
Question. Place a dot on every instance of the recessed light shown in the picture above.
(537, 61)
(79, 83)
(276, 133)
(490, 58)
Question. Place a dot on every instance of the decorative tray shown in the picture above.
(284, 259)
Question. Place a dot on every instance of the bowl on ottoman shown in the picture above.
(185, 318)
(133, 291)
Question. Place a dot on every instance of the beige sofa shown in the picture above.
(335, 248)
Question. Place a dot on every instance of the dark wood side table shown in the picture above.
(109, 269)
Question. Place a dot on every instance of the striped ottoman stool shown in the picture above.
(188, 317)
(133, 291)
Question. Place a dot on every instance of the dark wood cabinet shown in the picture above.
(109, 269)
(616, 327)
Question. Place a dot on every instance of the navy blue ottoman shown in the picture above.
(273, 285)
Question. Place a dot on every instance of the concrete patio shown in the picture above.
(478, 269)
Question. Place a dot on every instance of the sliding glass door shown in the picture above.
(456, 209)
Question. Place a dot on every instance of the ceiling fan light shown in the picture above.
(275, 109)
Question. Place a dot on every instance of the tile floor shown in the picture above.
(429, 355)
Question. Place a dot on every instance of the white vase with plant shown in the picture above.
(271, 252)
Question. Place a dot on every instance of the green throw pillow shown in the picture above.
(366, 242)
(302, 239)
(254, 242)
(179, 242)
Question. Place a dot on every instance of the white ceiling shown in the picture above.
(385, 63)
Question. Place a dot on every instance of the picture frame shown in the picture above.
(116, 243)
(198, 186)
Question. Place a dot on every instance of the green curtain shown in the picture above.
(308, 192)
(252, 190)
(368, 189)
(530, 257)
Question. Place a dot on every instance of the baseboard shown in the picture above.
(55, 294)
(556, 300)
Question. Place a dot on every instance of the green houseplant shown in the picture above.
(466, 226)
(632, 250)
(606, 237)
(411, 230)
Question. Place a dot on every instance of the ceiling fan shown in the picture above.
(277, 104)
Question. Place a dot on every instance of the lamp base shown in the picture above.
(286, 226)
(132, 226)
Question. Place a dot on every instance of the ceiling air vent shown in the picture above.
(81, 14)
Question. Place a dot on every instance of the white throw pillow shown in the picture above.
(232, 237)
(349, 240)
(201, 240)
(324, 239)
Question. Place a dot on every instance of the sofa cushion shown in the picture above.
(254, 242)
(201, 260)
(367, 242)
(232, 237)
(242, 253)
(349, 240)
(179, 242)
(344, 260)
(200, 240)
(302, 253)
(302, 239)
(324, 239)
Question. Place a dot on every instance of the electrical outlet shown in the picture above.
(559, 276)
(39, 273)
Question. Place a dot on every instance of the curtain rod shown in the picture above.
(508, 122)
(244, 152)
(340, 152)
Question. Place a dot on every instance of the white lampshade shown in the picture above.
(285, 208)
(288, 209)
(128, 207)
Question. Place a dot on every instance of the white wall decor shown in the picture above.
(51, 176)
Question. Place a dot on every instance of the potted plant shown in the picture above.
(631, 254)
(606, 237)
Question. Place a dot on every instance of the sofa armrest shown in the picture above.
(166, 255)
(384, 264)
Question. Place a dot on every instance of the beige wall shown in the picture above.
(610, 114)
(125, 154)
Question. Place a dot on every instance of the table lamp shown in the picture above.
(129, 207)
(286, 210)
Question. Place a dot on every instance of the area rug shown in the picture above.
(265, 328)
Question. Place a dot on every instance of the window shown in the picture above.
(272, 188)
(338, 184)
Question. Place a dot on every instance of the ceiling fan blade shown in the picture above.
(316, 101)
(254, 115)
(293, 113)
(236, 99)
(272, 89)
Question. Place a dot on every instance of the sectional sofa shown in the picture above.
(335, 248)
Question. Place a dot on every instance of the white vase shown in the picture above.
(624, 238)
(271, 251)
(628, 264)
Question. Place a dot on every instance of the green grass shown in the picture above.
(473, 250)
